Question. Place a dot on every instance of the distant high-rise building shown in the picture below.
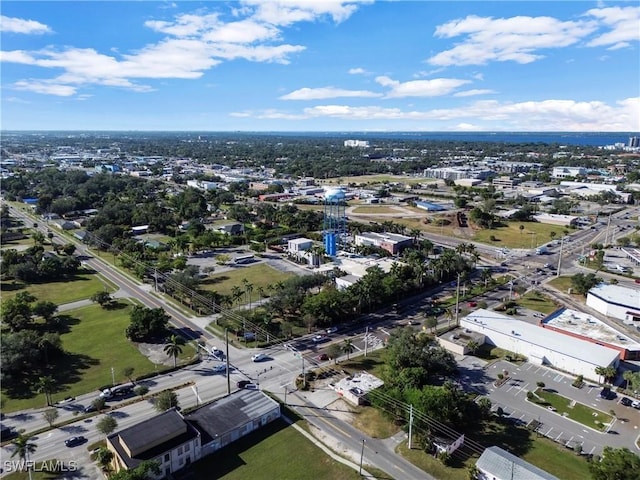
(356, 143)
(634, 142)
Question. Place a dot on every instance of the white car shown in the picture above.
(221, 368)
(258, 357)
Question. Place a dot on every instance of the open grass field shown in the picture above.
(373, 363)
(563, 283)
(94, 343)
(79, 287)
(510, 235)
(276, 451)
(373, 210)
(578, 412)
(539, 303)
(260, 276)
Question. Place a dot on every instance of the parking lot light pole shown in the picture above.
(361, 456)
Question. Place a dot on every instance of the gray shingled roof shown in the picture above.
(502, 465)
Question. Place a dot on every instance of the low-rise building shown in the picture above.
(498, 464)
(354, 388)
(616, 301)
(556, 219)
(391, 242)
(541, 345)
(564, 172)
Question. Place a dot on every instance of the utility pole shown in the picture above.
(285, 394)
(361, 456)
(113, 376)
(410, 424)
(226, 341)
(366, 340)
(560, 257)
(606, 235)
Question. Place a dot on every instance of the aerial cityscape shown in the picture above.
(320, 239)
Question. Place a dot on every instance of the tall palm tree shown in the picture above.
(630, 377)
(610, 374)
(45, 385)
(173, 348)
(249, 287)
(348, 347)
(448, 314)
(22, 449)
(236, 294)
(600, 371)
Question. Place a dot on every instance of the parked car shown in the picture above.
(258, 357)
(626, 402)
(473, 304)
(636, 404)
(75, 441)
(608, 394)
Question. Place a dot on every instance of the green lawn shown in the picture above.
(510, 235)
(78, 287)
(537, 302)
(373, 363)
(260, 275)
(94, 344)
(578, 412)
(374, 210)
(276, 451)
(563, 283)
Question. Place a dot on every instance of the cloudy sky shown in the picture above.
(320, 65)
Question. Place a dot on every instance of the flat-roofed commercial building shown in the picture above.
(590, 329)
(541, 345)
(616, 301)
(391, 242)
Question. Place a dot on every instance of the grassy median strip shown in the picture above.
(575, 411)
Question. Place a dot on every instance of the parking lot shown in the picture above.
(511, 397)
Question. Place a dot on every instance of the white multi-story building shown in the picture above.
(356, 143)
(563, 172)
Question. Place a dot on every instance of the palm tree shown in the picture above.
(600, 371)
(249, 287)
(610, 373)
(473, 346)
(348, 347)
(631, 379)
(448, 314)
(485, 275)
(22, 449)
(45, 385)
(236, 293)
(173, 348)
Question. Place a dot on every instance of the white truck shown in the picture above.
(542, 250)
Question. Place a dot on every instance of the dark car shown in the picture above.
(90, 408)
(75, 441)
(608, 394)
(626, 401)
(243, 383)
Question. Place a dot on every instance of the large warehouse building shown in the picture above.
(617, 302)
(541, 345)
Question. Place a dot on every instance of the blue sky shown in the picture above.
(326, 65)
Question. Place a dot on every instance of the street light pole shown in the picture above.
(113, 376)
(361, 456)
(560, 257)
(457, 298)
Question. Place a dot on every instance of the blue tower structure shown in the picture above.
(335, 220)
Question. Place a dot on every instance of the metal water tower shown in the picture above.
(335, 220)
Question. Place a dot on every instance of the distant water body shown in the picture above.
(593, 139)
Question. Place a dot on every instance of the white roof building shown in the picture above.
(616, 301)
(356, 387)
(541, 345)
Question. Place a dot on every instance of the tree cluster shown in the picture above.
(35, 265)
(147, 324)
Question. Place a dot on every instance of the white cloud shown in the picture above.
(45, 87)
(357, 71)
(326, 92)
(19, 25)
(287, 12)
(489, 115)
(516, 39)
(473, 92)
(193, 44)
(624, 23)
(420, 88)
